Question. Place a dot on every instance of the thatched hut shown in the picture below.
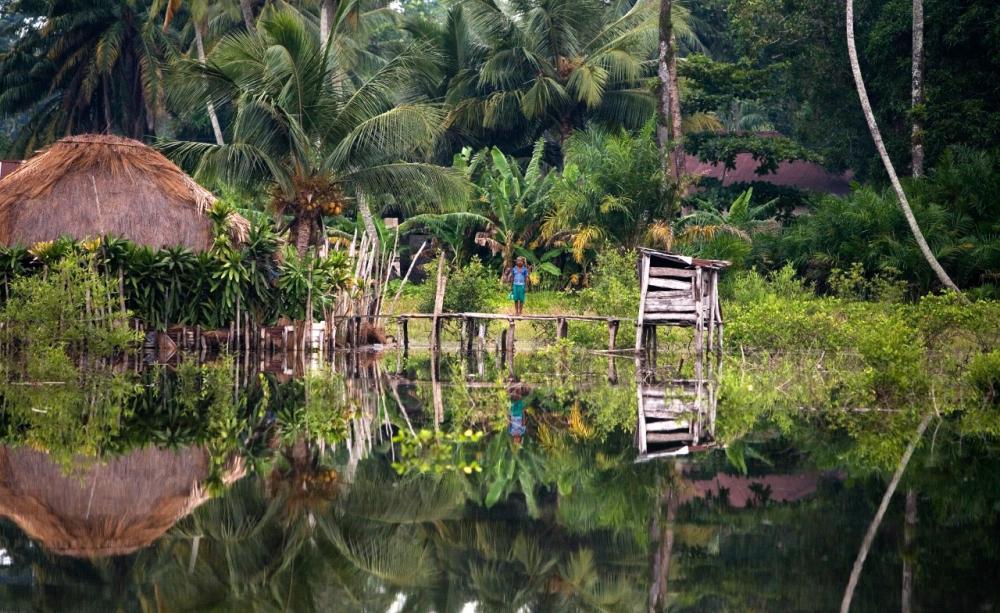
(94, 185)
(103, 508)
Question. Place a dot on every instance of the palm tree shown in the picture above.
(904, 204)
(550, 65)
(319, 134)
(742, 220)
(85, 65)
(610, 190)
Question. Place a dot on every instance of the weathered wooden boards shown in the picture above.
(674, 416)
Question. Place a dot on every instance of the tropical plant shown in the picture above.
(549, 66)
(514, 200)
(610, 190)
(313, 130)
(84, 66)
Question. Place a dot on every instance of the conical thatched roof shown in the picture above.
(102, 508)
(93, 185)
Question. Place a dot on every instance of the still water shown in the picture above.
(392, 484)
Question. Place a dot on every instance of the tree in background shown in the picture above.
(889, 168)
(306, 131)
(87, 66)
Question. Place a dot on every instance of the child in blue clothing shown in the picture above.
(518, 279)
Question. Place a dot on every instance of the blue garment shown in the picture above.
(517, 427)
(520, 275)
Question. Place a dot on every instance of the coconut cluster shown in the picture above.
(316, 194)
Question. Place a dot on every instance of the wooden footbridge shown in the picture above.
(473, 327)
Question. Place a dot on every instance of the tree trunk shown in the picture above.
(917, 91)
(675, 111)
(303, 235)
(368, 220)
(663, 97)
(904, 204)
(326, 12)
(247, 11)
(663, 546)
(909, 549)
(200, 46)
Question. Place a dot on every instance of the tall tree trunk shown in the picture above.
(247, 11)
(663, 97)
(866, 107)
(326, 12)
(917, 91)
(663, 545)
(368, 220)
(199, 42)
(909, 549)
(675, 112)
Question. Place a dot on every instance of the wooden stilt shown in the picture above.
(612, 334)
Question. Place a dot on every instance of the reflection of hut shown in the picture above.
(101, 509)
(94, 185)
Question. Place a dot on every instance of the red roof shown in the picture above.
(799, 174)
(8, 166)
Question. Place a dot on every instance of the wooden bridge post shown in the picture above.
(404, 324)
(511, 344)
(482, 335)
(468, 328)
(562, 327)
(612, 334)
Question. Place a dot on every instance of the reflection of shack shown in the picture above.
(675, 418)
(105, 508)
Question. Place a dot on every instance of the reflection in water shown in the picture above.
(322, 511)
(98, 508)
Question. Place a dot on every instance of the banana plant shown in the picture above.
(515, 201)
(510, 468)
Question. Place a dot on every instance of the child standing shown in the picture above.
(518, 278)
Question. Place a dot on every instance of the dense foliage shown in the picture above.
(541, 107)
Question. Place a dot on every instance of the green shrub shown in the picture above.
(984, 377)
(468, 290)
(745, 287)
(854, 284)
(614, 284)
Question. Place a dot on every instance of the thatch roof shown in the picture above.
(94, 185)
(102, 508)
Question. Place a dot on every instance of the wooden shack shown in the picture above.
(677, 290)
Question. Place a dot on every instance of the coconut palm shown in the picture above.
(85, 66)
(549, 65)
(320, 135)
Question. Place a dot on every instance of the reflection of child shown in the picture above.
(517, 428)
(516, 393)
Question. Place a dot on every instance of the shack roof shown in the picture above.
(685, 261)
